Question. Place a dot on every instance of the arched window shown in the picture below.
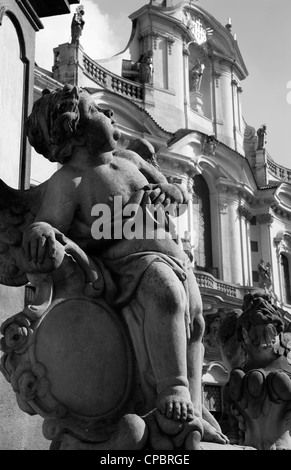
(202, 223)
(285, 278)
(12, 83)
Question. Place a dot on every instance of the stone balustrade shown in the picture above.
(111, 81)
(206, 280)
(278, 171)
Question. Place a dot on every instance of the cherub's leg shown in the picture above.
(164, 300)
(211, 429)
(195, 350)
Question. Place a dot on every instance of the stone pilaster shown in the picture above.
(68, 64)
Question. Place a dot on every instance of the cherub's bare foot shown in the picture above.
(211, 434)
(175, 403)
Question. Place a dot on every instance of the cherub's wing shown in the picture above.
(18, 209)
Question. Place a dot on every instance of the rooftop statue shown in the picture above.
(77, 25)
(261, 133)
(110, 351)
(146, 68)
(257, 349)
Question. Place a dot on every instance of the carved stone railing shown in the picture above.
(278, 171)
(206, 280)
(111, 81)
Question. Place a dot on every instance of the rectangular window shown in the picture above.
(254, 246)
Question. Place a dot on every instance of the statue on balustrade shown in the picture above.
(146, 68)
(261, 133)
(77, 25)
(109, 353)
(256, 347)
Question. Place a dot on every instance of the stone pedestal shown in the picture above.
(261, 167)
(196, 102)
(215, 446)
(149, 96)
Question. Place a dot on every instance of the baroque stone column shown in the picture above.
(230, 234)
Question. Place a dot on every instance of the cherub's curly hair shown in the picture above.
(259, 310)
(53, 122)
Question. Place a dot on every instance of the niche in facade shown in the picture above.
(200, 81)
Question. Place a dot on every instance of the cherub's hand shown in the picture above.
(39, 242)
(164, 194)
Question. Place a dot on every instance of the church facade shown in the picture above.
(179, 84)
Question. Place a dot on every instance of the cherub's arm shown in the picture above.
(152, 174)
(163, 192)
(56, 213)
(59, 201)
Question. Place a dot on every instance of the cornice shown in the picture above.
(46, 8)
(30, 14)
(177, 163)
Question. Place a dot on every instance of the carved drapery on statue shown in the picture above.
(146, 68)
(265, 275)
(90, 355)
(196, 74)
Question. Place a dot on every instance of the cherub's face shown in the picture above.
(98, 124)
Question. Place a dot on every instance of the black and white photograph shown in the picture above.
(145, 227)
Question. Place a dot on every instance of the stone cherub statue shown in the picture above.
(110, 353)
(257, 350)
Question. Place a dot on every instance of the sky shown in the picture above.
(263, 30)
